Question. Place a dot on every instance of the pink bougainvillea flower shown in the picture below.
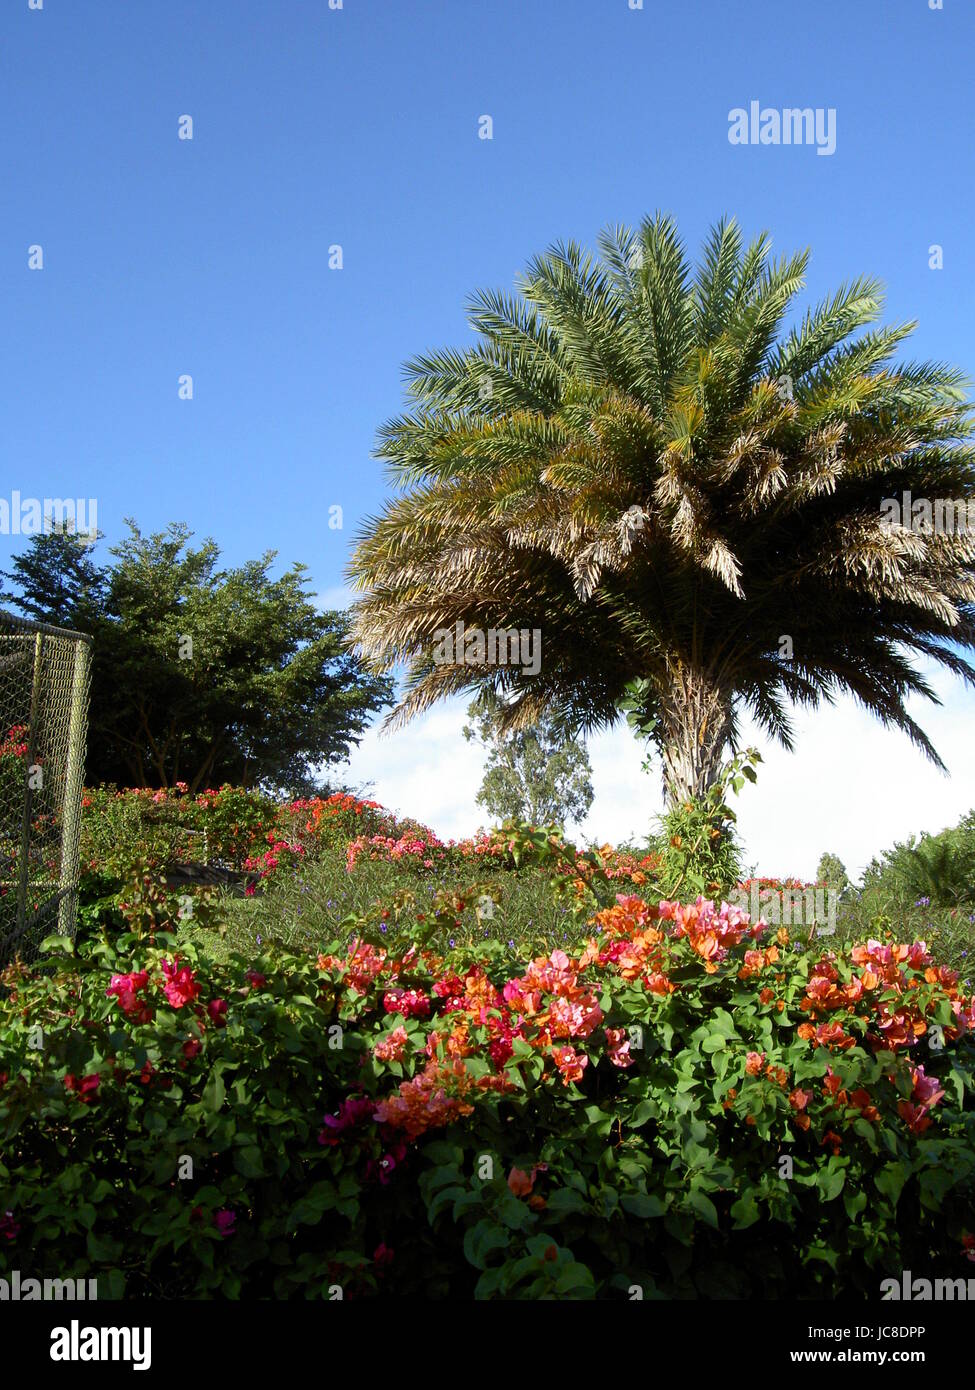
(353, 1111)
(8, 1226)
(433, 1098)
(570, 1063)
(191, 1048)
(927, 1089)
(618, 1047)
(574, 1018)
(256, 979)
(180, 987)
(392, 1047)
(382, 1169)
(225, 1221)
(382, 1256)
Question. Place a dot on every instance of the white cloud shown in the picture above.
(851, 788)
(339, 596)
(427, 771)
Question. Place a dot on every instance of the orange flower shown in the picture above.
(831, 1137)
(521, 1183)
(570, 1063)
(659, 984)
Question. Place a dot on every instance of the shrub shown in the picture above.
(168, 826)
(698, 843)
(685, 1103)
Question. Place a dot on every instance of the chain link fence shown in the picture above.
(44, 683)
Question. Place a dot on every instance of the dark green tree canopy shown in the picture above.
(202, 674)
(642, 460)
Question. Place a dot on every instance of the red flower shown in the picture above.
(411, 1003)
(217, 1010)
(127, 989)
(180, 987)
(382, 1256)
(86, 1089)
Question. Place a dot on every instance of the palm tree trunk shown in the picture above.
(695, 725)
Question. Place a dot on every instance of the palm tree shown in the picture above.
(641, 462)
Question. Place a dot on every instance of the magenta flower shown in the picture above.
(180, 987)
(225, 1221)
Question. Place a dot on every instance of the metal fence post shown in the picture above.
(44, 676)
(25, 822)
(73, 784)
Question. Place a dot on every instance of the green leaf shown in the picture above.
(214, 1093)
(249, 1161)
(481, 1239)
(566, 1200)
(745, 1211)
(643, 1205)
(703, 1205)
(891, 1179)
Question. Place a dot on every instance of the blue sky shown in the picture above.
(359, 127)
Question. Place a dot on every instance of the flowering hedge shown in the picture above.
(166, 826)
(685, 1105)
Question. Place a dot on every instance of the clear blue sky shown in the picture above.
(359, 126)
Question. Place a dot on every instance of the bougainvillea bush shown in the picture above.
(169, 826)
(682, 1105)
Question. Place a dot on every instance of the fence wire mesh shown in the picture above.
(44, 685)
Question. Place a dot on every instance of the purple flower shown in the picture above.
(225, 1220)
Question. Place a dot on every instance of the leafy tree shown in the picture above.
(832, 872)
(57, 578)
(935, 869)
(637, 459)
(202, 674)
(541, 775)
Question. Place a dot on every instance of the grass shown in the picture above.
(311, 907)
(308, 909)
